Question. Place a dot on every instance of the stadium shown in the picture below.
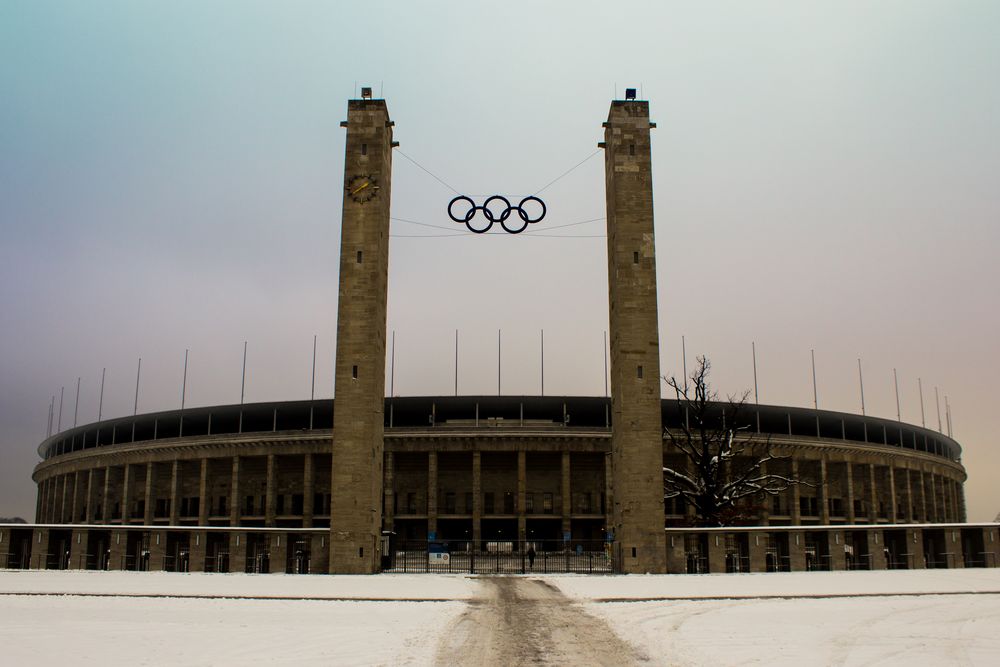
(364, 484)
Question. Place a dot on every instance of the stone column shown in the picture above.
(911, 504)
(359, 379)
(126, 483)
(234, 499)
(157, 551)
(106, 497)
(389, 515)
(89, 507)
(175, 504)
(609, 497)
(117, 547)
(716, 552)
(567, 498)
(876, 549)
(522, 484)
(892, 495)
(849, 481)
(237, 551)
(676, 559)
(797, 551)
(873, 500)
(824, 493)
(308, 491)
(915, 546)
(204, 506)
(78, 550)
(270, 491)
(838, 557)
(278, 553)
(477, 499)
(147, 519)
(925, 516)
(796, 509)
(758, 551)
(39, 548)
(73, 506)
(432, 493)
(198, 545)
(636, 424)
(62, 501)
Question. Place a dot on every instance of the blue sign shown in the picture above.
(566, 536)
(431, 535)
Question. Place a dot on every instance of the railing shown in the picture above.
(506, 558)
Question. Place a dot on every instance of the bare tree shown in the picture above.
(725, 461)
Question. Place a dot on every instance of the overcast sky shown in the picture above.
(826, 176)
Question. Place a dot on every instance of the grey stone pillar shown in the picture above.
(477, 499)
(126, 483)
(432, 493)
(389, 484)
(522, 484)
(234, 499)
(849, 481)
(270, 491)
(824, 493)
(174, 500)
(204, 506)
(566, 492)
(308, 491)
(147, 518)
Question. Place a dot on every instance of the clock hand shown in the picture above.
(363, 186)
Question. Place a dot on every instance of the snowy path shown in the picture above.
(520, 621)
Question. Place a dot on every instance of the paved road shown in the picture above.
(519, 621)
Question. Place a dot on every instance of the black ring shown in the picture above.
(469, 214)
(502, 217)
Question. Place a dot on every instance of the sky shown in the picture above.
(825, 178)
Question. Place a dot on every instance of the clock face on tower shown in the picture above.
(362, 188)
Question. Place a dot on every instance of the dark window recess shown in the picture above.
(364, 149)
(635, 257)
(836, 507)
(468, 503)
(318, 503)
(359, 256)
(140, 508)
(222, 506)
(488, 503)
(547, 503)
(354, 372)
(162, 508)
(280, 504)
(248, 507)
(297, 503)
(449, 502)
(529, 503)
(631, 149)
(361, 552)
(411, 503)
(508, 503)
(262, 505)
(808, 506)
(638, 372)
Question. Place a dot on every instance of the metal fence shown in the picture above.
(497, 558)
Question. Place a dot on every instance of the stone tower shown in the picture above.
(359, 382)
(637, 431)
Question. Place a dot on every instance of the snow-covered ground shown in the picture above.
(943, 617)
(906, 617)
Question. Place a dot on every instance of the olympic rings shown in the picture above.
(493, 212)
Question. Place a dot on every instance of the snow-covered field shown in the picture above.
(942, 617)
